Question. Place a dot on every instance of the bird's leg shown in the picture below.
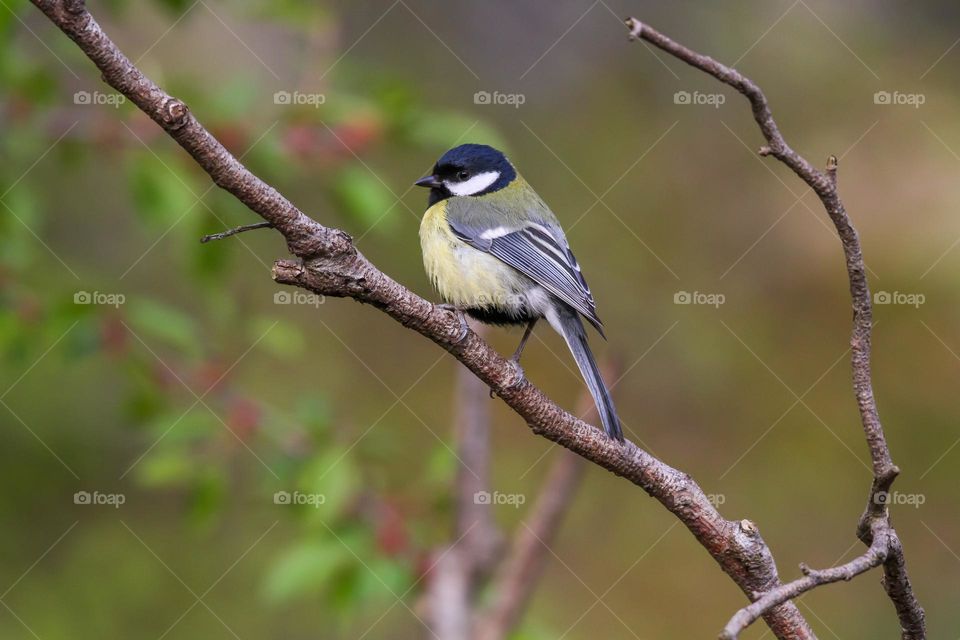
(515, 358)
(523, 341)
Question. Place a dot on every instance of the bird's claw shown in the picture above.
(518, 374)
(461, 316)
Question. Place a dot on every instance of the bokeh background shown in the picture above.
(138, 365)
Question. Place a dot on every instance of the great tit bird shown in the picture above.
(494, 250)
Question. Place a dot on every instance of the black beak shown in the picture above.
(429, 181)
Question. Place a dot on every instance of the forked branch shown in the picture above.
(874, 527)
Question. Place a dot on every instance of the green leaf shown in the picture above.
(160, 190)
(364, 197)
(233, 99)
(177, 427)
(441, 466)
(284, 340)
(314, 412)
(395, 575)
(206, 496)
(164, 469)
(304, 570)
(152, 319)
(332, 475)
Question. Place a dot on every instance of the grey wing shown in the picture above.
(542, 256)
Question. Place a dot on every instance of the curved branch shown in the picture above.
(875, 519)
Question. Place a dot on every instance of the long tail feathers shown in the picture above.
(567, 323)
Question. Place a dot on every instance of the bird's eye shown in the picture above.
(463, 175)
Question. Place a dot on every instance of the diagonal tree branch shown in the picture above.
(875, 522)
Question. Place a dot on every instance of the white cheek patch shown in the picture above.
(474, 185)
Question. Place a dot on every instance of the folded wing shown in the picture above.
(542, 254)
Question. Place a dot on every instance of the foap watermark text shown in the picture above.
(915, 500)
(114, 500)
(99, 298)
(98, 97)
(914, 100)
(497, 98)
(299, 498)
(700, 298)
(698, 98)
(298, 297)
(899, 297)
(496, 497)
(299, 98)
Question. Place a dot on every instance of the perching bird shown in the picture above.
(495, 251)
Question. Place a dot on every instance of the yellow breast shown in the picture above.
(461, 274)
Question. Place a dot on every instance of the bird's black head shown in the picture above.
(468, 170)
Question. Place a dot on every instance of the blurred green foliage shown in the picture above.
(170, 358)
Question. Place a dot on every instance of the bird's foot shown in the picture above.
(518, 376)
(461, 316)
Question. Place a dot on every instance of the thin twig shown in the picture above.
(874, 557)
(236, 230)
(875, 520)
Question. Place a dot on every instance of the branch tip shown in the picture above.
(235, 231)
(636, 28)
(832, 163)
